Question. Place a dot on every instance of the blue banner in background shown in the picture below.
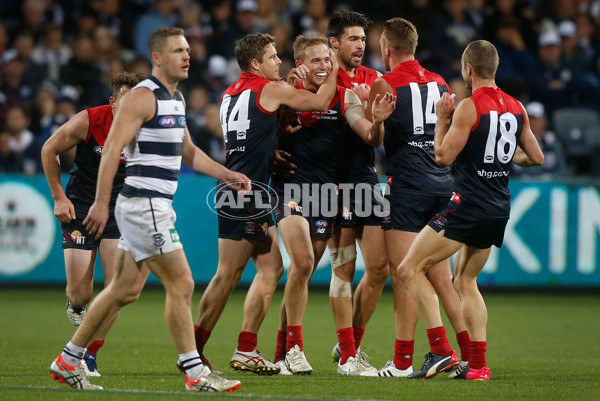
(551, 238)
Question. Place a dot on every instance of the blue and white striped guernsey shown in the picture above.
(154, 155)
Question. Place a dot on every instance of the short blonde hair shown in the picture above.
(304, 41)
(483, 57)
(401, 35)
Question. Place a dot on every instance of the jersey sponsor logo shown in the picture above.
(321, 223)
(174, 235)
(320, 231)
(423, 144)
(250, 227)
(159, 239)
(347, 214)
(455, 197)
(98, 149)
(294, 206)
(182, 121)
(77, 238)
(167, 121)
(492, 174)
(237, 149)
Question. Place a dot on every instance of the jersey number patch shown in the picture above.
(506, 145)
(237, 121)
(423, 116)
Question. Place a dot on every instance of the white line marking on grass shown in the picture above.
(185, 394)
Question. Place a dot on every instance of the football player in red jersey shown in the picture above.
(87, 130)
(479, 138)
(417, 186)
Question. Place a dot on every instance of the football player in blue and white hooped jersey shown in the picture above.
(150, 125)
(488, 131)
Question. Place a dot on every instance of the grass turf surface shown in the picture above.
(540, 347)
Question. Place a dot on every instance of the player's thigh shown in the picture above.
(129, 275)
(234, 254)
(470, 261)
(373, 247)
(428, 249)
(172, 269)
(267, 256)
(397, 244)
(295, 234)
(79, 264)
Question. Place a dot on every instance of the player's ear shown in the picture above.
(333, 42)
(254, 64)
(298, 63)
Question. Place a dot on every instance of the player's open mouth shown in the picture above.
(357, 56)
(321, 74)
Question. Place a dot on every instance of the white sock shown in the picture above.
(192, 363)
(72, 354)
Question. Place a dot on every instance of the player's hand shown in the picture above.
(238, 181)
(289, 121)
(445, 107)
(362, 91)
(64, 210)
(296, 75)
(383, 106)
(96, 219)
(282, 165)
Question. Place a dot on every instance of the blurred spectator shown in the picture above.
(421, 13)
(282, 32)
(55, 13)
(511, 10)
(515, 59)
(82, 71)
(10, 162)
(210, 137)
(458, 88)
(3, 40)
(163, 13)
(107, 48)
(86, 25)
(22, 142)
(266, 16)
(549, 81)
(139, 65)
(215, 77)
(109, 13)
(52, 52)
(372, 58)
(243, 24)
(22, 50)
(198, 61)
(450, 33)
(13, 86)
(306, 20)
(43, 111)
(555, 164)
(195, 112)
(33, 17)
(586, 34)
(572, 56)
(189, 19)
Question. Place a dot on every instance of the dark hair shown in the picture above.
(344, 18)
(125, 78)
(157, 40)
(483, 57)
(252, 47)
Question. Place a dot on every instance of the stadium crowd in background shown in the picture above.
(59, 56)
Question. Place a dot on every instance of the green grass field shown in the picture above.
(540, 347)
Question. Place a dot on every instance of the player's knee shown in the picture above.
(463, 283)
(302, 267)
(405, 272)
(378, 275)
(340, 256)
(339, 288)
(79, 296)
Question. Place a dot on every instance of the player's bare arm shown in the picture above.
(196, 159)
(70, 134)
(528, 152)
(450, 139)
(136, 107)
(370, 132)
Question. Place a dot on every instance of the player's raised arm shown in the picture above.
(136, 107)
(449, 138)
(66, 137)
(382, 107)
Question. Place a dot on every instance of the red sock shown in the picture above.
(247, 341)
(358, 335)
(346, 341)
(477, 354)
(280, 346)
(403, 354)
(95, 346)
(202, 337)
(294, 337)
(464, 343)
(438, 341)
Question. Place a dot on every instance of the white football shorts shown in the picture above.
(147, 226)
